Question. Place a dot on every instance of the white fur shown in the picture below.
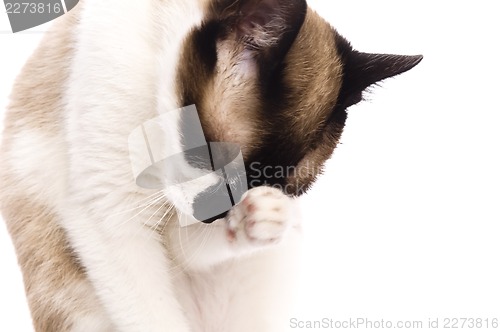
(202, 279)
(33, 157)
(119, 46)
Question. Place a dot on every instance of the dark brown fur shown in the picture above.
(288, 115)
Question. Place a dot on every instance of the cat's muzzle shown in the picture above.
(203, 180)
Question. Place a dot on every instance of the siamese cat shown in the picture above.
(100, 253)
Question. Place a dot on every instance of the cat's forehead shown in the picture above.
(275, 78)
(223, 79)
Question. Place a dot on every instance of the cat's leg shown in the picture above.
(248, 260)
(261, 220)
(127, 265)
(59, 294)
(263, 284)
(262, 288)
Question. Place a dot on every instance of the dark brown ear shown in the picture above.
(361, 70)
(266, 28)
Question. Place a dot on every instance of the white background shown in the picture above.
(404, 223)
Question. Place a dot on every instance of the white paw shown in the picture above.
(262, 217)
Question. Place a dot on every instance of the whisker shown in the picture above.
(204, 233)
(148, 200)
(161, 220)
(147, 206)
(154, 228)
(164, 226)
(146, 223)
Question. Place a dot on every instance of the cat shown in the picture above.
(98, 252)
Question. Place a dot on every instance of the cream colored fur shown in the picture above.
(97, 252)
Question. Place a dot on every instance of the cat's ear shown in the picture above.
(362, 70)
(265, 28)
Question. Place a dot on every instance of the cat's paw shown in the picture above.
(261, 218)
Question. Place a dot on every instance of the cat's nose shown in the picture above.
(211, 220)
(213, 203)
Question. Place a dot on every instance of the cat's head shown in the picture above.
(277, 79)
